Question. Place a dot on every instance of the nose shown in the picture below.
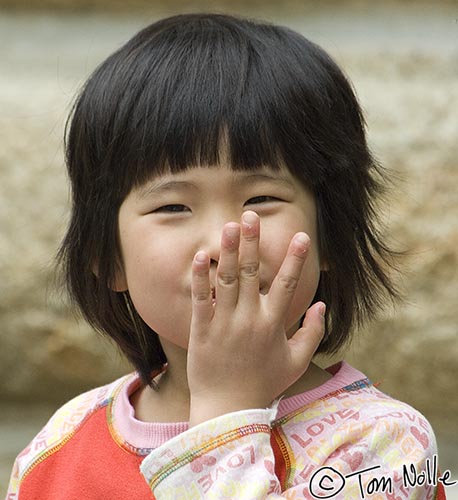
(213, 242)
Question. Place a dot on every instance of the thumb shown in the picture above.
(306, 340)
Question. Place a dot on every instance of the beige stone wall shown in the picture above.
(406, 78)
(411, 102)
(155, 5)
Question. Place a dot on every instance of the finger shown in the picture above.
(202, 309)
(285, 282)
(227, 282)
(304, 343)
(249, 259)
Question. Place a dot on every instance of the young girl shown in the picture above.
(223, 198)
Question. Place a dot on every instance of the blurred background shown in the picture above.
(402, 57)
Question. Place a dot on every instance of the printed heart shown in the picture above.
(354, 459)
(421, 437)
(197, 465)
(270, 467)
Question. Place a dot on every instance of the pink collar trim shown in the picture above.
(144, 436)
(343, 375)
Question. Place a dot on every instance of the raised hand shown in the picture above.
(239, 356)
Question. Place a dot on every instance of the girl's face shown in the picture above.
(166, 221)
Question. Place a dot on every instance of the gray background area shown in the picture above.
(403, 60)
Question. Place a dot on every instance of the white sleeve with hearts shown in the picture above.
(353, 444)
(387, 456)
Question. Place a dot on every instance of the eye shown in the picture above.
(261, 199)
(172, 209)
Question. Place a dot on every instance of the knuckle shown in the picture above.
(288, 282)
(251, 237)
(201, 297)
(226, 279)
(249, 271)
(299, 256)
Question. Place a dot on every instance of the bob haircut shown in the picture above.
(168, 100)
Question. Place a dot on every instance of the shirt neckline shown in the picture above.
(141, 437)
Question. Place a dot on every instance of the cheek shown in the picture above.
(148, 259)
(275, 240)
(157, 275)
(273, 246)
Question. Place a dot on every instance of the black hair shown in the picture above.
(166, 101)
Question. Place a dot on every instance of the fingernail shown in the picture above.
(250, 219)
(232, 231)
(302, 238)
(200, 256)
(322, 309)
(302, 242)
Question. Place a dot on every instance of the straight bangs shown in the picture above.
(216, 90)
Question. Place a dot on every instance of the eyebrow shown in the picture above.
(165, 185)
(263, 177)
